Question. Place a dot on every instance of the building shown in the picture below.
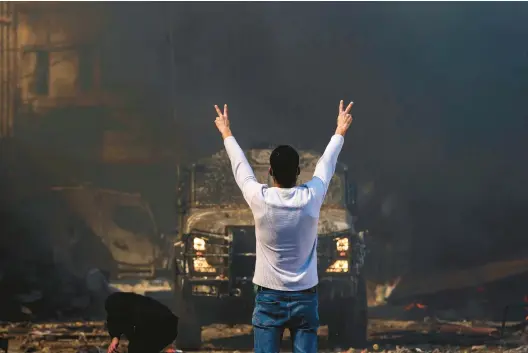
(64, 94)
(67, 111)
(59, 53)
(8, 67)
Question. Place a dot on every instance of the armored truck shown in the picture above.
(215, 251)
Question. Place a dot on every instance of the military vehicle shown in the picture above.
(112, 231)
(215, 254)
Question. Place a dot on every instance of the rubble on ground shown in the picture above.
(491, 276)
(54, 294)
(386, 336)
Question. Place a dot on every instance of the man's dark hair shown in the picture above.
(284, 163)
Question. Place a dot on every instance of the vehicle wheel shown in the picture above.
(348, 327)
(189, 328)
(189, 335)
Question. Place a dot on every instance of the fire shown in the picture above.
(382, 292)
(416, 305)
(171, 349)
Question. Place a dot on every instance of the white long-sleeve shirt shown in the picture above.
(285, 220)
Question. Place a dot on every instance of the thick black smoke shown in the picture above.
(440, 91)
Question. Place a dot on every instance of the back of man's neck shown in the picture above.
(283, 187)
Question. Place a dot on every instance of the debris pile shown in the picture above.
(435, 332)
(51, 293)
(386, 336)
(86, 337)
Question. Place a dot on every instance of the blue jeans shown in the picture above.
(278, 310)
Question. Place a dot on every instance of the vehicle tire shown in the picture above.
(349, 323)
(189, 335)
(189, 328)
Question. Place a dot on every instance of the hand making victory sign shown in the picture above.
(222, 122)
(344, 119)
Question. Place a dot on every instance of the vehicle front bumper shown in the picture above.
(329, 287)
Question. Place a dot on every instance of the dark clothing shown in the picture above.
(149, 325)
(152, 341)
(309, 290)
(277, 310)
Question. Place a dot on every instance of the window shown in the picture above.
(42, 70)
(86, 69)
(336, 192)
(214, 184)
(134, 219)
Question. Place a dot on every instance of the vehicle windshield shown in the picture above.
(217, 186)
(134, 219)
(335, 196)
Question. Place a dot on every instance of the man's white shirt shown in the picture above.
(285, 220)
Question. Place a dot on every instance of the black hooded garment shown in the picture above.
(138, 317)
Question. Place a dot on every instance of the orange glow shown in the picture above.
(416, 305)
(409, 307)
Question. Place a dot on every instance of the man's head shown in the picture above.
(284, 166)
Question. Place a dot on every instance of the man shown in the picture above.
(286, 218)
(149, 325)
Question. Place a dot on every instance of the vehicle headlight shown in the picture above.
(202, 289)
(199, 244)
(200, 264)
(338, 266)
(342, 244)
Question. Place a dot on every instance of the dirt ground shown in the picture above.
(385, 336)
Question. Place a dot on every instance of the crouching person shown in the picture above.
(148, 325)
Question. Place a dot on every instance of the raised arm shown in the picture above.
(244, 176)
(325, 168)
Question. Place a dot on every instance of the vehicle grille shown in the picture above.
(214, 256)
(242, 251)
(325, 253)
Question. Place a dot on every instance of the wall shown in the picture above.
(59, 54)
(7, 68)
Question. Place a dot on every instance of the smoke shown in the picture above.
(440, 113)
(439, 90)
